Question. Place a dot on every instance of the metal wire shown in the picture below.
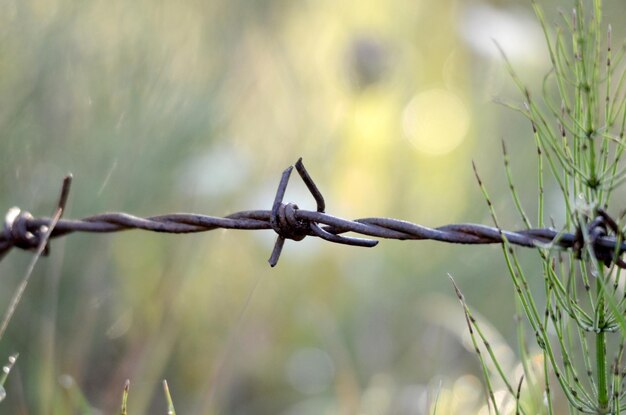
(22, 230)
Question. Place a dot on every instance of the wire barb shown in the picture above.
(598, 228)
(22, 230)
(287, 225)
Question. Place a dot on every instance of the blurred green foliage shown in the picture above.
(162, 106)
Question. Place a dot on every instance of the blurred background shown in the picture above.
(194, 106)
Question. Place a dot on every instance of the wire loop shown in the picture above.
(287, 225)
(598, 231)
(17, 232)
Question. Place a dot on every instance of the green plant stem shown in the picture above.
(603, 392)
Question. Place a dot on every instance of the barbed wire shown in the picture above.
(22, 230)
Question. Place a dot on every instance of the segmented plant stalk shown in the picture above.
(578, 129)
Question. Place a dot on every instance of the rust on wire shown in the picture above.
(22, 230)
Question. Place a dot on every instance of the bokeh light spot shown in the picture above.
(436, 121)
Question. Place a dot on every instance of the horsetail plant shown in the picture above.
(578, 324)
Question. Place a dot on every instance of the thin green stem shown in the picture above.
(603, 392)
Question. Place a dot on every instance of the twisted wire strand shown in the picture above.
(24, 231)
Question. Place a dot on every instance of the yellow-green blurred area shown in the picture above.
(198, 106)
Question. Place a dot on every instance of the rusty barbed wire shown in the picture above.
(22, 230)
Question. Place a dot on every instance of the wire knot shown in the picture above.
(283, 217)
(597, 230)
(21, 230)
(18, 233)
(287, 225)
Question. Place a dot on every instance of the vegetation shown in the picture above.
(179, 106)
(579, 322)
